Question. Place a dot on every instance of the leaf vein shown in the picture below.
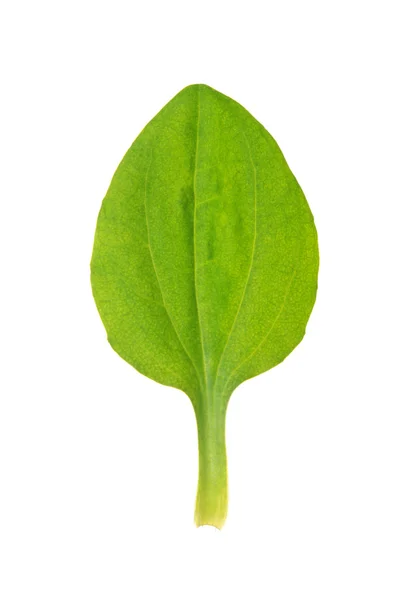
(251, 261)
(156, 273)
(266, 337)
(194, 234)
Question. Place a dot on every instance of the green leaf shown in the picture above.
(205, 263)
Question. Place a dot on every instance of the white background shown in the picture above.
(98, 465)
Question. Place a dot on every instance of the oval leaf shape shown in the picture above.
(205, 263)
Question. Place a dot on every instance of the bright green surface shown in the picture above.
(205, 262)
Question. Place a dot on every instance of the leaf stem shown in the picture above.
(212, 490)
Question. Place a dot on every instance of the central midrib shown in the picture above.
(206, 378)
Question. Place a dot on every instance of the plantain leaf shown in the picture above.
(205, 263)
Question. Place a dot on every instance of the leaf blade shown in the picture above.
(205, 263)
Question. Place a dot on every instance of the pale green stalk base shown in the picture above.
(212, 490)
